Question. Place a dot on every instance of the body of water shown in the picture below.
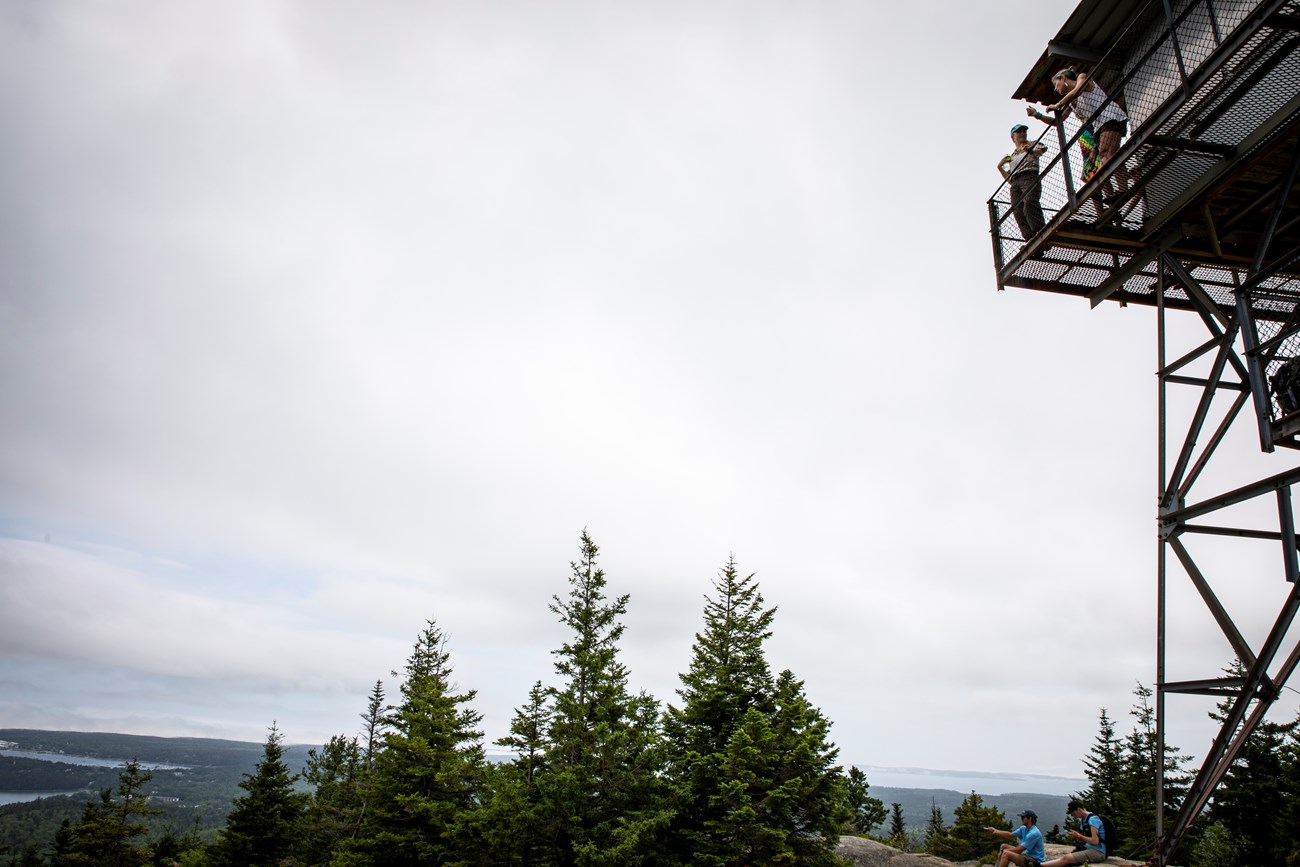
(984, 782)
(87, 760)
(20, 797)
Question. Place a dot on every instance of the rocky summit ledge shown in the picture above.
(868, 853)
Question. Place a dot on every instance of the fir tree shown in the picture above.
(333, 814)
(1217, 848)
(429, 773)
(263, 826)
(866, 812)
(65, 840)
(934, 828)
(373, 723)
(1251, 802)
(104, 836)
(513, 820)
(601, 790)
(1103, 766)
(749, 756)
(1288, 824)
(898, 828)
(29, 857)
(807, 802)
(728, 677)
(1134, 814)
(966, 839)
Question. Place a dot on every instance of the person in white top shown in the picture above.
(1102, 118)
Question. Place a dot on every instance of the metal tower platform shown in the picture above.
(1201, 214)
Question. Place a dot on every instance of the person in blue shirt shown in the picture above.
(1027, 850)
(1093, 838)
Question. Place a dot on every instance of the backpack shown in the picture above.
(1286, 386)
(1110, 836)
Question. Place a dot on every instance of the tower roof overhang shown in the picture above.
(1090, 31)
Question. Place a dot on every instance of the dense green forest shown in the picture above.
(192, 794)
(738, 770)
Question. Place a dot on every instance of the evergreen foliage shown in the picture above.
(1216, 848)
(749, 756)
(514, 819)
(934, 828)
(966, 839)
(1254, 801)
(262, 828)
(1104, 768)
(429, 773)
(866, 812)
(1122, 778)
(897, 828)
(333, 814)
(106, 834)
(1135, 815)
(601, 793)
(742, 774)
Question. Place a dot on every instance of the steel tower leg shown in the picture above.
(1243, 379)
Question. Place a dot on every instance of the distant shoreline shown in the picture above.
(87, 761)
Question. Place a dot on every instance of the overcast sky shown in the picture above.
(321, 319)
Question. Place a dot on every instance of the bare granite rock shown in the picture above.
(868, 853)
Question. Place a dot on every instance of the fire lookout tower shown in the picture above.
(1198, 211)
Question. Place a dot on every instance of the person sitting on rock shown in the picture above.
(1027, 850)
(1094, 840)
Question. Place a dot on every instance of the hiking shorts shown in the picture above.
(1088, 856)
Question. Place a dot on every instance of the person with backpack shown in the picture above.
(1093, 841)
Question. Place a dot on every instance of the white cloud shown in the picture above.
(320, 324)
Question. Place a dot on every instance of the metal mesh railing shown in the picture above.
(1195, 83)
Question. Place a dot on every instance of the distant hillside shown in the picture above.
(916, 805)
(193, 752)
(208, 770)
(195, 791)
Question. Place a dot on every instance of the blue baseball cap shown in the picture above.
(1015, 129)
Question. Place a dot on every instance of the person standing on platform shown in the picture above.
(1028, 849)
(1102, 119)
(1020, 170)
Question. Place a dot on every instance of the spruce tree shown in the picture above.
(934, 828)
(602, 794)
(106, 833)
(866, 812)
(333, 814)
(966, 839)
(429, 773)
(263, 827)
(513, 820)
(1103, 766)
(373, 724)
(807, 802)
(1252, 801)
(728, 677)
(1135, 790)
(1289, 821)
(749, 756)
(898, 828)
